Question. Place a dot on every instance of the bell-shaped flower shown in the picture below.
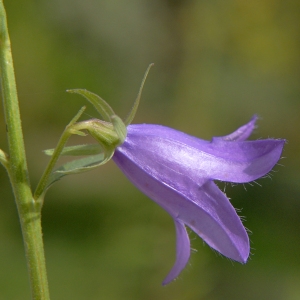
(177, 170)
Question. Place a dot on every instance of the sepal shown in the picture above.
(136, 103)
(77, 166)
(100, 105)
(78, 150)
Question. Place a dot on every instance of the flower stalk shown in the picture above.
(16, 166)
(69, 130)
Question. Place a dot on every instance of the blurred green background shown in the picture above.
(216, 64)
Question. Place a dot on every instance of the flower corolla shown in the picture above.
(177, 171)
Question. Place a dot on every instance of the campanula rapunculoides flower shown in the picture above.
(177, 171)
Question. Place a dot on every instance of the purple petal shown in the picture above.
(177, 171)
(203, 208)
(174, 151)
(234, 243)
(182, 252)
(243, 161)
(242, 133)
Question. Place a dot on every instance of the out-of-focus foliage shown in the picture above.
(216, 64)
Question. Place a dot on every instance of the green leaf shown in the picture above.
(100, 105)
(78, 150)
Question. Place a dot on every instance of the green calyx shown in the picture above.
(109, 132)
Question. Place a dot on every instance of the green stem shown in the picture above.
(69, 130)
(29, 212)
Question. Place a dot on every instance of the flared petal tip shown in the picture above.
(167, 280)
(182, 251)
(244, 257)
(244, 260)
(272, 154)
(243, 250)
(237, 250)
(242, 133)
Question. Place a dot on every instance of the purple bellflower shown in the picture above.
(177, 171)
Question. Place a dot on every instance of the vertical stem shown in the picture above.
(29, 213)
